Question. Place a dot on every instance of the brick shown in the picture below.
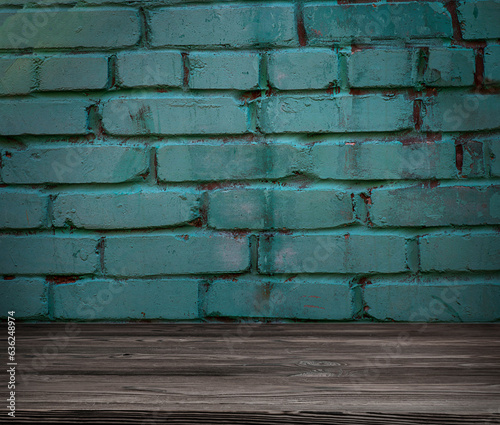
(174, 115)
(473, 158)
(278, 209)
(53, 2)
(155, 68)
(438, 206)
(324, 114)
(224, 70)
(76, 72)
(69, 28)
(18, 117)
(492, 64)
(375, 160)
(313, 299)
(430, 299)
(332, 253)
(124, 300)
(240, 208)
(111, 210)
(479, 19)
(48, 254)
(175, 254)
(460, 251)
(494, 147)
(461, 112)
(226, 161)
(382, 68)
(16, 75)
(26, 296)
(280, 114)
(88, 2)
(69, 2)
(74, 164)
(310, 209)
(224, 26)
(303, 69)
(22, 209)
(327, 22)
(450, 67)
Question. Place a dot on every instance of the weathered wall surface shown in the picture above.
(293, 160)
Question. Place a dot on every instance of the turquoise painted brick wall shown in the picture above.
(265, 160)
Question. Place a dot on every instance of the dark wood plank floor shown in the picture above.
(258, 374)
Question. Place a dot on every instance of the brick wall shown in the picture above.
(294, 160)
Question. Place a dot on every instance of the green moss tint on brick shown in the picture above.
(281, 160)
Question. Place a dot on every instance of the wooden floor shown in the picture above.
(258, 374)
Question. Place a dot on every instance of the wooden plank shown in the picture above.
(401, 372)
(249, 418)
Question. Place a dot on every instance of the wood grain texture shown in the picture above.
(259, 373)
(244, 418)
